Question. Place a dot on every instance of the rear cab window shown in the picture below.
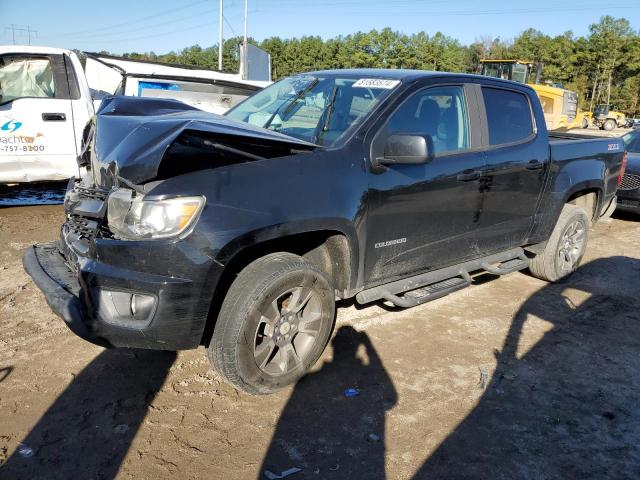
(632, 142)
(509, 116)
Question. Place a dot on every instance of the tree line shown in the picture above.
(602, 66)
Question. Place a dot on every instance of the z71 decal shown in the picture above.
(613, 147)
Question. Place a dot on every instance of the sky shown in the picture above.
(160, 26)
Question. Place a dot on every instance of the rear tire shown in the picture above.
(585, 123)
(565, 248)
(274, 323)
(609, 125)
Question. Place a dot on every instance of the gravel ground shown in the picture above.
(511, 378)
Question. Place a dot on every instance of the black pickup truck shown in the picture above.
(240, 232)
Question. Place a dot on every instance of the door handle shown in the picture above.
(54, 117)
(535, 165)
(469, 176)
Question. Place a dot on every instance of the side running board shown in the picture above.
(509, 266)
(429, 286)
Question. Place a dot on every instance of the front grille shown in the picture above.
(629, 182)
(82, 227)
(92, 193)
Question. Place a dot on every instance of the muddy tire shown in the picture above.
(274, 323)
(609, 125)
(565, 248)
(585, 123)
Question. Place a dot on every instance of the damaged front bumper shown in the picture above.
(46, 267)
(96, 302)
(116, 293)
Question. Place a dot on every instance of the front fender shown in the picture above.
(237, 244)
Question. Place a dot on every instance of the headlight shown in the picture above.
(136, 218)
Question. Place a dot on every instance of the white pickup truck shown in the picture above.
(47, 99)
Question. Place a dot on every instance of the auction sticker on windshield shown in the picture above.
(376, 83)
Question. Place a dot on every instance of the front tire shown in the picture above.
(609, 125)
(566, 246)
(274, 323)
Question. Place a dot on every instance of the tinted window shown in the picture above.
(632, 142)
(22, 76)
(439, 113)
(508, 116)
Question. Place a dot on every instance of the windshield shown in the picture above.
(632, 142)
(601, 110)
(519, 73)
(315, 109)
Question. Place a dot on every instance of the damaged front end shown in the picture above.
(130, 268)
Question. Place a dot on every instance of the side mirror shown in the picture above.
(407, 149)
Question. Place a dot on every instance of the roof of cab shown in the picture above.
(405, 75)
(33, 49)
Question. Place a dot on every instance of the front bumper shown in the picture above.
(177, 320)
(629, 192)
(629, 204)
(46, 267)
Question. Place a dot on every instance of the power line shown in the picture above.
(137, 20)
(413, 13)
(154, 35)
(229, 25)
(145, 27)
(27, 28)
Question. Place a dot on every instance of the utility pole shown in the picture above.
(29, 33)
(15, 29)
(246, 14)
(220, 38)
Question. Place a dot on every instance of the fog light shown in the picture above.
(142, 306)
(132, 310)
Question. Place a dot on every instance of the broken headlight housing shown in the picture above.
(137, 218)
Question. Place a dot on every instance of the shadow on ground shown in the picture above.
(327, 433)
(562, 407)
(4, 373)
(565, 407)
(87, 431)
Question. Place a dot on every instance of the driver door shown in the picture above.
(37, 139)
(424, 217)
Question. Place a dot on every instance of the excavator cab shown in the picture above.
(515, 70)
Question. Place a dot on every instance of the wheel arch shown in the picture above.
(333, 248)
(587, 198)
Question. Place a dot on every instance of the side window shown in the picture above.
(439, 113)
(508, 115)
(26, 76)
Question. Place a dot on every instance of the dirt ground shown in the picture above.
(511, 378)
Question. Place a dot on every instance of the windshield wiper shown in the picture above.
(291, 103)
(324, 126)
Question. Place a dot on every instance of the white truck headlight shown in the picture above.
(136, 218)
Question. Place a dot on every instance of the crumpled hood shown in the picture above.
(133, 134)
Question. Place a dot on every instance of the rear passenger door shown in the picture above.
(517, 166)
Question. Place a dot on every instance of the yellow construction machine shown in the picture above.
(606, 117)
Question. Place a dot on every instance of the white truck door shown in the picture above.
(37, 137)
